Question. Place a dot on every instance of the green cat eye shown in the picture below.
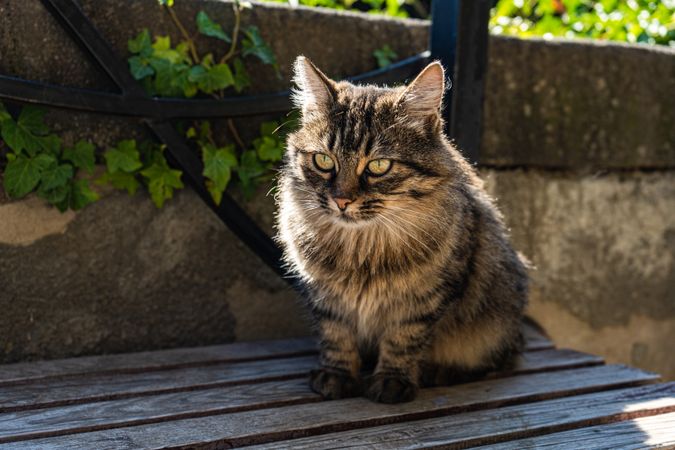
(323, 162)
(379, 167)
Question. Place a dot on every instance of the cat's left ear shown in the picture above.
(424, 96)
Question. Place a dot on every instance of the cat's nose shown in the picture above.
(342, 202)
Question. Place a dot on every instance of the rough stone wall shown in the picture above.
(579, 149)
(603, 248)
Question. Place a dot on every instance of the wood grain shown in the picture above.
(289, 422)
(646, 432)
(106, 387)
(186, 357)
(178, 405)
(155, 360)
(501, 424)
(50, 393)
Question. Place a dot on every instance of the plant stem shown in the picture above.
(235, 134)
(186, 35)
(235, 33)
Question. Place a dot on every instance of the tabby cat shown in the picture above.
(404, 258)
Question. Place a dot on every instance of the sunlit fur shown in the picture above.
(418, 270)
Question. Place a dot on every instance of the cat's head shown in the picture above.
(363, 151)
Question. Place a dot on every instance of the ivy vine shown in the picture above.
(38, 162)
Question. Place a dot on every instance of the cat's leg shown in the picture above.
(338, 376)
(460, 353)
(396, 376)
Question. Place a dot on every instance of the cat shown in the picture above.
(402, 255)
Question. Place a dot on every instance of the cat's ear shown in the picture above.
(424, 96)
(315, 90)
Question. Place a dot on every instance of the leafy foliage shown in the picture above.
(37, 162)
(385, 56)
(637, 21)
(180, 72)
(395, 8)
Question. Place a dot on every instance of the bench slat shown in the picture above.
(646, 432)
(501, 424)
(156, 360)
(157, 408)
(186, 357)
(47, 393)
(267, 425)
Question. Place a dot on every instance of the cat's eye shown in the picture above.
(323, 162)
(379, 167)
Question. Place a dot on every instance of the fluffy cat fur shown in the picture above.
(417, 274)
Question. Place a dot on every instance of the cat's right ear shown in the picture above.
(315, 90)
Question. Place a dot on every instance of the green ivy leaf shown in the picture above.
(162, 49)
(172, 79)
(269, 128)
(50, 144)
(120, 180)
(141, 44)
(23, 174)
(269, 149)
(211, 79)
(124, 157)
(162, 180)
(241, 78)
(56, 176)
(81, 194)
(254, 44)
(140, 67)
(4, 115)
(82, 155)
(385, 56)
(55, 196)
(249, 169)
(218, 164)
(208, 27)
(27, 132)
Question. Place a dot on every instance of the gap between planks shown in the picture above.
(656, 431)
(130, 363)
(431, 402)
(489, 427)
(52, 393)
(290, 422)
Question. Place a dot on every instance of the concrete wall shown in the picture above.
(579, 148)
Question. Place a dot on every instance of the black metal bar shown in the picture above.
(228, 211)
(176, 108)
(443, 45)
(85, 34)
(135, 102)
(470, 72)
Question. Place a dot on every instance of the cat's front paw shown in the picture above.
(333, 384)
(390, 388)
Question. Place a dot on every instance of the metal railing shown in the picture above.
(458, 39)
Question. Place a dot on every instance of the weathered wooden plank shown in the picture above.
(156, 360)
(157, 408)
(106, 387)
(151, 409)
(645, 432)
(501, 424)
(186, 357)
(289, 422)
(49, 393)
(535, 338)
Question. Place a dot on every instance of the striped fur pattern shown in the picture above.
(415, 282)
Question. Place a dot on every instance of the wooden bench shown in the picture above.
(256, 393)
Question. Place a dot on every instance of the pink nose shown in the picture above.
(342, 202)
